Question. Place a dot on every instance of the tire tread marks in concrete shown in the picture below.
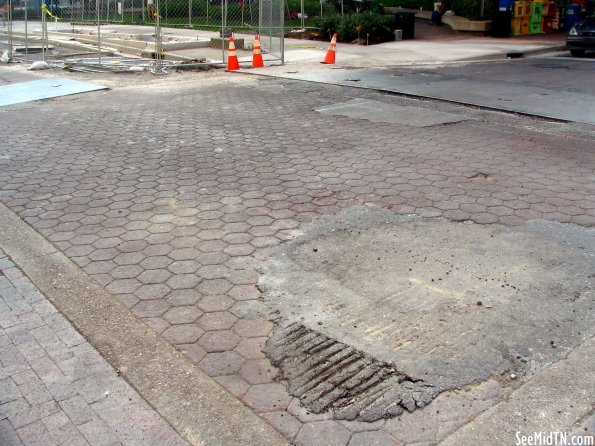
(326, 375)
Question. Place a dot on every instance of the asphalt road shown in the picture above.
(556, 86)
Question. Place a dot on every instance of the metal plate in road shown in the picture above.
(43, 89)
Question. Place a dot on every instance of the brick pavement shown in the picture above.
(168, 197)
(55, 389)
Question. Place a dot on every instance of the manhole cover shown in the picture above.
(378, 313)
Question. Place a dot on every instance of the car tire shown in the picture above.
(577, 53)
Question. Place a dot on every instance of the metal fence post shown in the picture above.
(98, 31)
(10, 31)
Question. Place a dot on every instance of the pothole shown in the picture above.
(481, 176)
(378, 313)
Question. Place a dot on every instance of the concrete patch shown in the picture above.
(376, 111)
(43, 89)
(446, 303)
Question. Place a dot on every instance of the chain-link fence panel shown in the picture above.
(121, 33)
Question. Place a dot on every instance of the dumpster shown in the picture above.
(406, 22)
(502, 23)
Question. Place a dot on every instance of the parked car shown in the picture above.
(581, 37)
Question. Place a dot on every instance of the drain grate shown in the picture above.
(326, 375)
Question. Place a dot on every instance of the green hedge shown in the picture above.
(472, 8)
(428, 5)
(464, 8)
(375, 27)
(311, 8)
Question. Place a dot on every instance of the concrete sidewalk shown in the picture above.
(430, 51)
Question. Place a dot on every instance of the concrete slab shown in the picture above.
(43, 89)
(574, 106)
(446, 304)
(375, 111)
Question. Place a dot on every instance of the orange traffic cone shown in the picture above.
(232, 58)
(332, 50)
(257, 61)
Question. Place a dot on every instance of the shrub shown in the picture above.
(350, 27)
(472, 8)
(411, 4)
(311, 8)
(328, 25)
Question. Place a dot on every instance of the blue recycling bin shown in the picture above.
(572, 15)
(506, 6)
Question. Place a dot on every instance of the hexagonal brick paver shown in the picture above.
(150, 308)
(183, 297)
(183, 266)
(244, 292)
(329, 433)
(269, 397)
(129, 258)
(125, 271)
(214, 286)
(224, 363)
(212, 258)
(243, 277)
(219, 341)
(214, 272)
(183, 334)
(285, 423)
(193, 351)
(233, 384)
(153, 291)
(122, 286)
(182, 315)
(258, 371)
(253, 328)
(153, 276)
(183, 254)
(376, 438)
(156, 262)
(251, 348)
(183, 281)
(213, 303)
(219, 320)
(100, 267)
